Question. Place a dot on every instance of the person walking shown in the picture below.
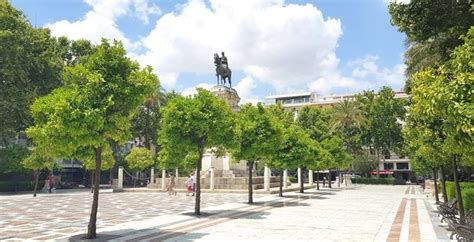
(51, 183)
(189, 185)
(171, 185)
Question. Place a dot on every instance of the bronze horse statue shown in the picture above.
(223, 71)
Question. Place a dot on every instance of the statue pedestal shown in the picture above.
(227, 94)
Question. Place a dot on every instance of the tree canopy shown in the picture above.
(93, 108)
(194, 124)
(139, 159)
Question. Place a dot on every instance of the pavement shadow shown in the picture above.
(282, 203)
(320, 193)
(308, 195)
(229, 214)
(150, 234)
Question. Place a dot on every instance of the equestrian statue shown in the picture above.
(223, 71)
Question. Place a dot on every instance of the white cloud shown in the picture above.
(286, 45)
(100, 22)
(366, 70)
(244, 88)
(143, 9)
(193, 90)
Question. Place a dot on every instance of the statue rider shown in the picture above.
(224, 59)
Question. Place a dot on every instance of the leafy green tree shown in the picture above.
(146, 122)
(297, 150)
(384, 114)
(346, 120)
(433, 29)
(316, 122)
(260, 137)
(196, 124)
(92, 109)
(36, 163)
(445, 94)
(11, 157)
(279, 113)
(139, 159)
(30, 67)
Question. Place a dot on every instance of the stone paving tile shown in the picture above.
(26, 217)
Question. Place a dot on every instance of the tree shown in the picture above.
(107, 163)
(346, 120)
(384, 114)
(92, 109)
(338, 156)
(260, 137)
(316, 122)
(139, 159)
(433, 29)
(11, 157)
(146, 121)
(36, 163)
(31, 67)
(445, 94)
(196, 124)
(297, 150)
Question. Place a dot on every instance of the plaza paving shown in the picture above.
(360, 213)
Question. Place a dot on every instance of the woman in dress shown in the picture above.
(171, 185)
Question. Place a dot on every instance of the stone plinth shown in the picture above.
(228, 94)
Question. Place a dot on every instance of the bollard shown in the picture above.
(285, 178)
(266, 179)
(120, 178)
(212, 179)
(310, 177)
(299, 177)
(152, 175)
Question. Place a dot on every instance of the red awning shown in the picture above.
(381, 172)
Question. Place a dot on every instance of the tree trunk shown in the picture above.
(281, 183)
(92, 181)
(457, 188)
(302, 181)
(250, 166)
(443, 185)
(36, 183)
(338, 177)
(329, 178)
(197, 204)
(91, 229)
(317, 180)
(435, 178)
(377, 162)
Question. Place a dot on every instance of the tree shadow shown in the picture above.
(319, 193)
(308, 195)
(229, 214)
(282, 203)
(149, 234)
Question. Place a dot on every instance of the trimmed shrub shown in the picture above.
(293, 179)
(373, 181)
(468, 198)
(467, 193)
(16, 186)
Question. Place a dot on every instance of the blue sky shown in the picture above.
(326, 46)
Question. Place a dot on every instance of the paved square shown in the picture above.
(362, 213)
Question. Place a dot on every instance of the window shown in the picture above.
(402, 166)
(388, 166)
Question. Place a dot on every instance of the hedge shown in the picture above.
(363, 180)
(16, 186)
(467, 193)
